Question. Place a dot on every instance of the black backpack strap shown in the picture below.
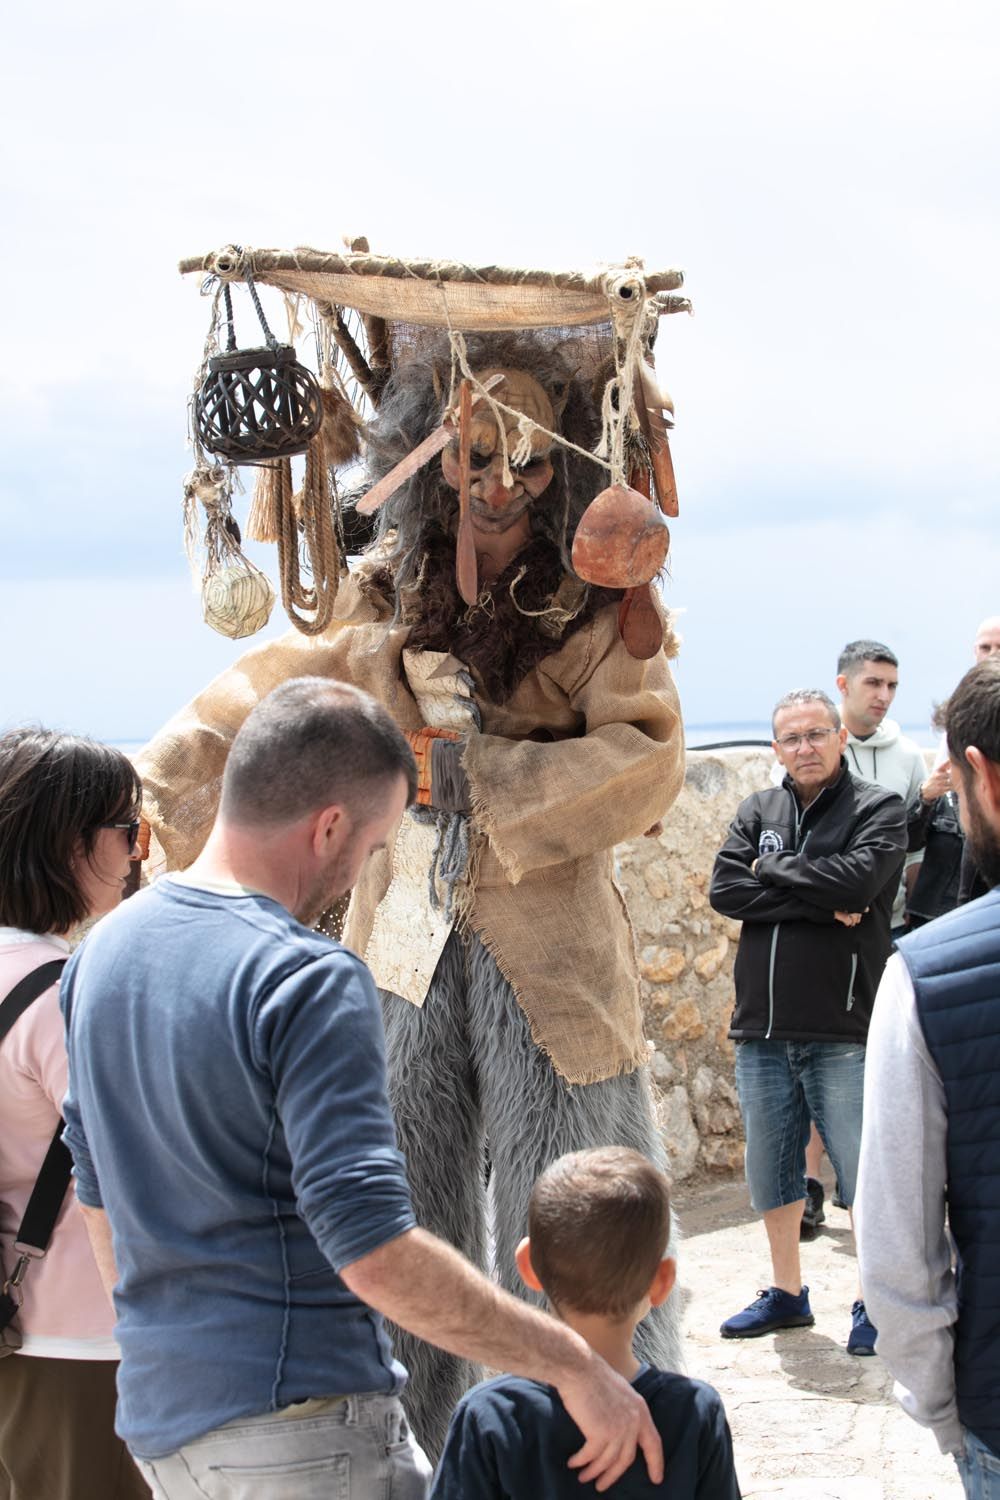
(12, 1008)
(46, 1196)
(50, 1186)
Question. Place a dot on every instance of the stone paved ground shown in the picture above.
(809, 1421)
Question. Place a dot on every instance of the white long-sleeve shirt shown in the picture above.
(904, 1248)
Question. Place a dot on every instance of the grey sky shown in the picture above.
(825, 176)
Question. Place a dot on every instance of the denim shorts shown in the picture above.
(784, 1085)
(979, 1468)
(336, 1448)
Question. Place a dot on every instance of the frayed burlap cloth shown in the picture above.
(548, 810)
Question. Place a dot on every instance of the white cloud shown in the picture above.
(823, 174)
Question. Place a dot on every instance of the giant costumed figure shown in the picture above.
(494, 926)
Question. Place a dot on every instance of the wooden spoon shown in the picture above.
(466, 569)
(649, 405)
(639, 623)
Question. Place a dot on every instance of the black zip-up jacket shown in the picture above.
(802, 976)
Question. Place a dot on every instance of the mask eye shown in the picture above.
(479, 461)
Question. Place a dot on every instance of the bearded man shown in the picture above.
(930, 1158)
(493, 927)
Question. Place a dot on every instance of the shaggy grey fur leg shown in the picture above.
(532, 1115)
(434, 1098)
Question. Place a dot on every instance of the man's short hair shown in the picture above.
(599, 1223)
(806, 695)
(856, 653)
(972, 716)
(312, 743)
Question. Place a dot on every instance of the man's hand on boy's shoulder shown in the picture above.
(617, 1420)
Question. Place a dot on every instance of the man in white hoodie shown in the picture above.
(876, 750)
(867, 677)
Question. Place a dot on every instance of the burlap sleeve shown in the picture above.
(182, 766)
(542, 804)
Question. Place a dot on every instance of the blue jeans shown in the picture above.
(980, 1470)
(347, 1448)
(782, 1085)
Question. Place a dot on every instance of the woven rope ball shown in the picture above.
(256, 404)
(237, 600)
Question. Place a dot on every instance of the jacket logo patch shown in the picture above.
(770, 841)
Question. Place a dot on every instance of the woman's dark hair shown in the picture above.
(56, 790)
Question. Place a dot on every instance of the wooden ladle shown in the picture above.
(622, 539)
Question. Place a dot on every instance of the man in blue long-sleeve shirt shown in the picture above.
(236, 1159)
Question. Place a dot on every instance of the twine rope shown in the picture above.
(526, 426)
(315, 515)
(626, 293)
(560, 615)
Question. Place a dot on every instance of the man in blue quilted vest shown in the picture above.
(930, 1155)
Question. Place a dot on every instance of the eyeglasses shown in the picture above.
(131, 828)
(814, 738)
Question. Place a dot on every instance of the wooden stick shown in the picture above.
(466, 569)
(344, 339)
(227, 263)
(405, 469)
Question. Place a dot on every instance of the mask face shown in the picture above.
(494, 505)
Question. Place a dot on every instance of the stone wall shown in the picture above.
(686, 953)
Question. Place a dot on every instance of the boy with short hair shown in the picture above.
(598, 1226)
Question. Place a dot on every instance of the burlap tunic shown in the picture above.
(588, 751)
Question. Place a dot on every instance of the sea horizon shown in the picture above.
(697, 736)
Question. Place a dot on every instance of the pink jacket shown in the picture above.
(66, 1312)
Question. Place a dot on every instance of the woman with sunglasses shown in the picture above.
(69, 823)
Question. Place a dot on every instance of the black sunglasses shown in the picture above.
(131, 828)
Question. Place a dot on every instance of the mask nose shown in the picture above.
(490, 487)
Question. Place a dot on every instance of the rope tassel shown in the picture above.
(264, 520)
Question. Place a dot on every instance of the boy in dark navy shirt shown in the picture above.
(598, 1225)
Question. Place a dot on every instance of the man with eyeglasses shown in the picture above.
(810, 868)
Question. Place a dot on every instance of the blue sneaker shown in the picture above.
(863, 1331)
(773, 1309)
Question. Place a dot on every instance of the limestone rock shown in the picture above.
(661, 965)
(702, 1085)
(658, 880)
(722, 1153)
(662, 1068)
(708, 964)
(685, 951)
(715, 1117)
(684, 1023)
(679, 1133)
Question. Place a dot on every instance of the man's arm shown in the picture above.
(736, 890)
(904, 1252)
(852, 879)
(543, 802)
(99, 1231)
(428, 1288)
(318, 1034)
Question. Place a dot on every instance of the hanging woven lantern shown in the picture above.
(257, 404)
